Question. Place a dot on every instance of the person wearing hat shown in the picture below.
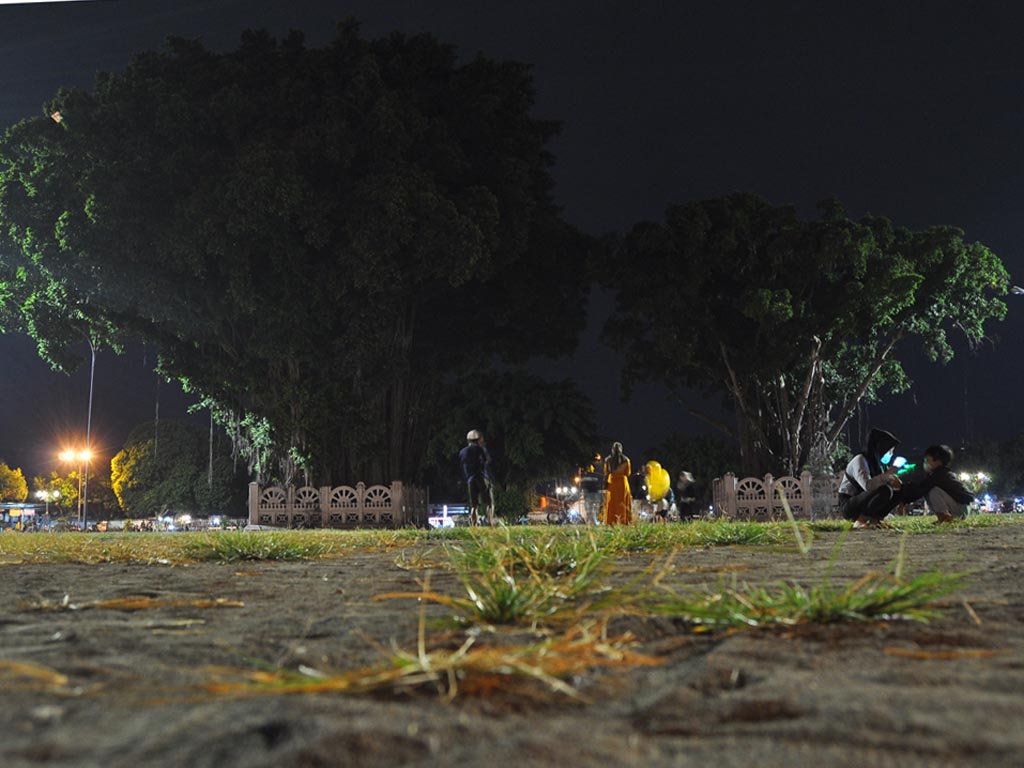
(476, 469)
(869, 489)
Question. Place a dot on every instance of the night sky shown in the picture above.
(912, 111)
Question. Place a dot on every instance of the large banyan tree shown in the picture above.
(792, 322)
(316, 240)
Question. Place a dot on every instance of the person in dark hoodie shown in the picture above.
(476, 469)
(946, 496)
(870, 490)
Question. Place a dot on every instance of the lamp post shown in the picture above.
(48, 496)
(82, 458)
(88, 433)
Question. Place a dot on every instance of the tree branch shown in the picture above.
(734, 386)
(737, 392)
(805, 392)
(719, 425)
(851, 402)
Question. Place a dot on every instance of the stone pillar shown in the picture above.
(325, 505)
(823, 498)
(724, 495)
(398, 511)
(807, 491)
(254, 503)
(361, 502)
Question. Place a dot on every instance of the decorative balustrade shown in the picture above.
(749, 498)
(344, 506)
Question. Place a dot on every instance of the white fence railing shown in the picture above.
(809, 497)
(343, 506)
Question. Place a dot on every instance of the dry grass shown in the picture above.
(531, 670)
(130, 603)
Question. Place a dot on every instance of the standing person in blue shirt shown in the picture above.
(476, 469)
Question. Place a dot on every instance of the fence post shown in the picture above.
(325, 504)
(397, 504)
(254, 503)
(361, 502)
(727, 496)
(807, 492)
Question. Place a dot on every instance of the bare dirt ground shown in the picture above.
(123, 690)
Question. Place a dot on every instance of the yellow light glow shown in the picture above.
(80, 456)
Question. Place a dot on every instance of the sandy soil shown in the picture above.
(898, 693)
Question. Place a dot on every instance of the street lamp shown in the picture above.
(48, 496)
(82, 458)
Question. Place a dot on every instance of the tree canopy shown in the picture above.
(792, 322)
(171, 471)
(12, 484)
(313, 238)
(63, 490)
(533, 429)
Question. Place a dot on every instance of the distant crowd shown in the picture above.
(612, 494)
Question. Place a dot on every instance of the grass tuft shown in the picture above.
(231, 546)
(874, 597)
(511, 579)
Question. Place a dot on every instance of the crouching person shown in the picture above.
(947, 498)
(870, 490)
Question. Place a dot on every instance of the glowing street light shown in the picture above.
(48, 496)
(82, 459)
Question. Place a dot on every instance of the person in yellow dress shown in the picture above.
(617, 470)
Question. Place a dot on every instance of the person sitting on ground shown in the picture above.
(667, 503)
(868, 491)
(947, 498)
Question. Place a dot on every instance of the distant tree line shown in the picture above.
(172, 468)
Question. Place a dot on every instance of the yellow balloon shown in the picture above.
(658, 481)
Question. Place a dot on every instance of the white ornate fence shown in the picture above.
(343, 506)
(809, 497)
